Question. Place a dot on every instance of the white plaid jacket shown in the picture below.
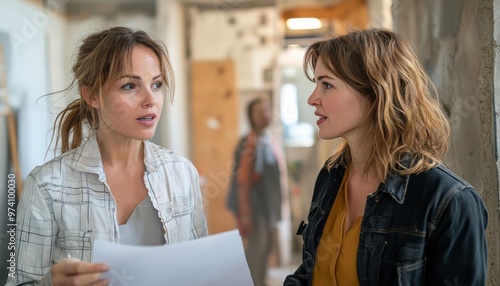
(66, 204)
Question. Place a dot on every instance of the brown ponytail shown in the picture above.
(70, 123)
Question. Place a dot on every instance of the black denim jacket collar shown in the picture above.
(395, 185)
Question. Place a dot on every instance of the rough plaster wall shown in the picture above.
(454, 39)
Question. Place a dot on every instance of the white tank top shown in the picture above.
(143, 227)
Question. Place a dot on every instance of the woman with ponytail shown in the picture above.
(109, 182)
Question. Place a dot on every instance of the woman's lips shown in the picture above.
(321, 119)
(147, 120)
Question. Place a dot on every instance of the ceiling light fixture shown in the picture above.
(304, 23)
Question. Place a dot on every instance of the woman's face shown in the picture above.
(341, 110)
(132, 104)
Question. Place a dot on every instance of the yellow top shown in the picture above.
(337, 251)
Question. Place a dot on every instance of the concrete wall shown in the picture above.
(457, 43)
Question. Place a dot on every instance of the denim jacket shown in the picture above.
(419, 229)
(66, 204)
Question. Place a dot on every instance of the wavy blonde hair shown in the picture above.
(101, 58)
(407, 119)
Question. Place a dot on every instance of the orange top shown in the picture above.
(337, 251)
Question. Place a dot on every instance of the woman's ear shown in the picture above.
(89, 98)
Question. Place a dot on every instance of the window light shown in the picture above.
(303, 23)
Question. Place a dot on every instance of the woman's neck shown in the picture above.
(119, 152)
(258, 131)
(360, 152)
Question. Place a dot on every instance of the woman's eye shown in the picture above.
(326, 85)
(157, 85)
(128, 86)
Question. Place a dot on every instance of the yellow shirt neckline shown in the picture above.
(336, 255)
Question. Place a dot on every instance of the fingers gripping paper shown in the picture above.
(217, 260)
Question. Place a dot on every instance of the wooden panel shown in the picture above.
(214, 105)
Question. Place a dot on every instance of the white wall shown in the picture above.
(26, 26)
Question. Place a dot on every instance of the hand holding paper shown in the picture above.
(217, 260)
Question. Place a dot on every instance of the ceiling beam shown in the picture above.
(339, 11)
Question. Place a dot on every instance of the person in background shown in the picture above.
(110, 182)
(255, 194)
(385, 209)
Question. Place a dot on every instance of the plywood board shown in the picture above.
(214, 105)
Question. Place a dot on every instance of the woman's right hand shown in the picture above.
(72, 271)
(245, 225)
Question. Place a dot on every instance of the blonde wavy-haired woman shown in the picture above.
(385, 210)
(110, 182)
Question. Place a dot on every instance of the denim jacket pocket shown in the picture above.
(76, 243)
(410, 265)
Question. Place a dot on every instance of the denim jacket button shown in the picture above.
(376, 199)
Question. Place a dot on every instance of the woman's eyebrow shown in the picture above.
(137, 77)
(325, 76)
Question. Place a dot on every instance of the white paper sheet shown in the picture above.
(215, 260)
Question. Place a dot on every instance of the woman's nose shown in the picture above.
(313, 99)
(149, 97)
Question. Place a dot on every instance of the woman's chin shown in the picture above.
(325, 136)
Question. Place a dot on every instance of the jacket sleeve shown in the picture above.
(35, 236)
(457, 251)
